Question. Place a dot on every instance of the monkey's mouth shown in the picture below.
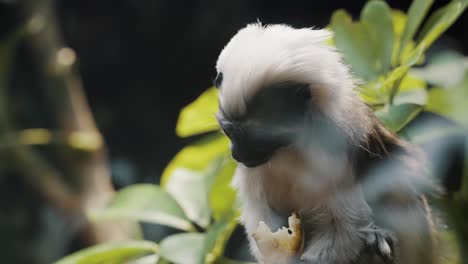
(255, 163)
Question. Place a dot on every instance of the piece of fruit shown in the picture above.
(286, 240)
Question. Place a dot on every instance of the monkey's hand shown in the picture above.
(379, 239)
(285, 242)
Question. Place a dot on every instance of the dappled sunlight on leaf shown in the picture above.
(35, 136)
(86, 141)
(222, 196)
(411, 83)
(399, 19)
(412, 90)
(199, 116)
(198, 156)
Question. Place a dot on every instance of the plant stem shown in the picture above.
(395, 88)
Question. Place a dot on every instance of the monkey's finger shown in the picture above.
(384, 247)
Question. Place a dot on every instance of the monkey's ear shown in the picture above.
(218, 80)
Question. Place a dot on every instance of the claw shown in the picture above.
(377, 238)
(384, 247)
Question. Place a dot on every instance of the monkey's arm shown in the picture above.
(395, 179)
(408, 226)
(395, 189)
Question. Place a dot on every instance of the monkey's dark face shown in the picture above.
(273, 119)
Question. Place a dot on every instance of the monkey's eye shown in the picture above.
(218, 80)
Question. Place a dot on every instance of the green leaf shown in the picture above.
(198, 156)
(190, 191)
(451, 247)
(190, 168)
(411, 82)
(450, 102)
(147, 203)
(446, 68)
(412, 90)
(399, 20)
(430, 132)
(378, 92)
(399, 23)
(225, 260)
(416, 14)
(199, 116)
(112, 253)
(437, 23)
(183, 248)
(395, 117)
(199, 248)
(417, 97)
(352, 40)
(464, 188)
(367, 45)
(376, 17)
(397, 81)
(150, 259)
(221, 196)
(217, 237)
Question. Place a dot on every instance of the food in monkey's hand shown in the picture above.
(288, 240)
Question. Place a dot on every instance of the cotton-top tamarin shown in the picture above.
(307, 145)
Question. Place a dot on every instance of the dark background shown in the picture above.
(141, 61)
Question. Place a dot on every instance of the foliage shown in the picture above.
(111, 253)
(195, 195)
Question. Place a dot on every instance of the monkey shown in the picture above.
(306, 143)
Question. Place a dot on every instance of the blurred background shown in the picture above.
(139, 63)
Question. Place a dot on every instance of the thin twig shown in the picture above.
(34, 169)
(72, 115)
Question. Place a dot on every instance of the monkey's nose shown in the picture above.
(235, 153)
(232, 131)
(249, 156)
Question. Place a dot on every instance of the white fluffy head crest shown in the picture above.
(258, 56)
